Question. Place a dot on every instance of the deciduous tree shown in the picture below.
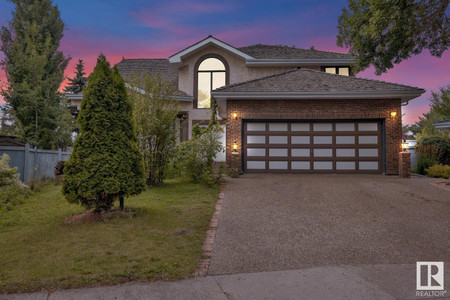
(154, 113)
(382, 33)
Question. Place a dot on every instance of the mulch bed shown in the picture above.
(91, 216)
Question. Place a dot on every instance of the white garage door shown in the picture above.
(312, 147)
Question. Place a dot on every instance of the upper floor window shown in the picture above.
(337, 70)
(211, 74)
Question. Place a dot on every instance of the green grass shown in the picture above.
(39, 250)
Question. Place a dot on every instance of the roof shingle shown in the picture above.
(306, 80)
(128, 67)
(285, 52)
(167, 71)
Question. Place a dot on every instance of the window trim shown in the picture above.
(196, 71)
(350, 73)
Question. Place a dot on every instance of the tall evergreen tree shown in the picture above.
(106, 163)
(34, 68)
(77, 83)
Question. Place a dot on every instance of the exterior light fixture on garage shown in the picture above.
(235, 146)
(393, 114)
(405, 145)
(234, 116)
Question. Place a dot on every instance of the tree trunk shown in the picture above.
(121, 203)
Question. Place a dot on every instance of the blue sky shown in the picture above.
(157, 29)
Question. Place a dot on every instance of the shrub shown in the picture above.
(442, 147)
(439, 171)
(427, 156)
(12, 191)
(106, 163)
(154, 114)
(195, 157)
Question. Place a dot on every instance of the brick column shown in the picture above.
(404, 162)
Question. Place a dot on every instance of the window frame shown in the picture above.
(350, 73)
(196, 71)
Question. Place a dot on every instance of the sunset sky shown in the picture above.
(157, 29)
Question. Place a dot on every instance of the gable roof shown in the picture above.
(442, 124)
(306, 83)
(6, 140)
(128, 67)
(285, 52)
(210, 40)
(154, 67)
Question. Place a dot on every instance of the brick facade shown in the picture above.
(317, 110)
(404, 159)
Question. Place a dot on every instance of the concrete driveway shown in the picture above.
(286, 222)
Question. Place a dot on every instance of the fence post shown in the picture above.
(26, 163)
(59, 154)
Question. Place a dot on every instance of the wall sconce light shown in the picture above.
(234, 116)
(405, 145)
(235, 146)
(393, 114)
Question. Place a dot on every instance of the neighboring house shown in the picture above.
(443, 126)
(286, 110)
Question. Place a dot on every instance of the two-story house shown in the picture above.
(285, 109)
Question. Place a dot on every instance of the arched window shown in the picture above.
(211, 74)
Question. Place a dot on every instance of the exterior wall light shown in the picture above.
(235, 146)
(234, 116)
(393, 114)
(405, 145)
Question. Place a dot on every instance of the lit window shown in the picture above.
(330, 70)
(211, 75)
(345, 71)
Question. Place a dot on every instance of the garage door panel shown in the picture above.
(300, 127)
(278, 127)
(301, 140)
(322, 126)
(256, 165)
(345, 152)
(322, 152)
(323, 165)
(256, 139)
(313, 147)
(251, 152)
(372, 126)
(256, 126)
(300, 165)
(369, 165)
(300, 152)
(346, 165)
(280, 152)
(325, 139)
(345, 127)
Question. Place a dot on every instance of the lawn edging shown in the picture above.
(208, 244)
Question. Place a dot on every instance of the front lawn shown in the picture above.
(40, 250)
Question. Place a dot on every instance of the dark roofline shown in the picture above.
(266, 45)
(309, 70)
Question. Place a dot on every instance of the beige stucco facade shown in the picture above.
(238, 72)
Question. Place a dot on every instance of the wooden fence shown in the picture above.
(33, 163)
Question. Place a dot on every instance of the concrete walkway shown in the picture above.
(367, 282)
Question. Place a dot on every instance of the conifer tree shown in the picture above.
(77, 83)
(106, 163)
(34, 68)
